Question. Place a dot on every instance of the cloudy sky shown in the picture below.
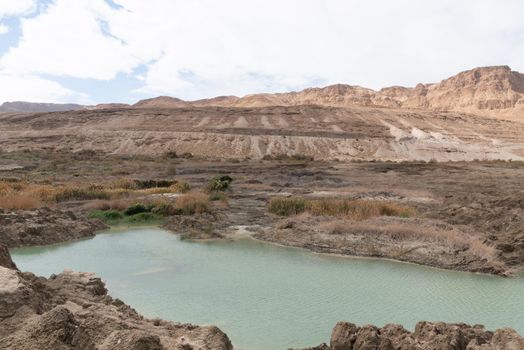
(93, 51)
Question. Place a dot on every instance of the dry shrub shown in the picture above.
(192, 203)
(482, 250)
(19, 202)
(286, 206)
(180, 187)
(409, 231)
(357, 209)
(68, 193)
(122, 183)
(44, 192)
(352, 209)
(5, 188)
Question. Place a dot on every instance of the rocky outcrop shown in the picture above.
(427, 336)
(44, 226)
(5, 258)
(73, 311)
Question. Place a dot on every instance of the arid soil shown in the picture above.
(73, 311)
(427, 335)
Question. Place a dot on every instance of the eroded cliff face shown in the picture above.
(496, 91)
(72, 310)
(324, 133)
(427, 336)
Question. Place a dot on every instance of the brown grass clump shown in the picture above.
(410, 231)
(483, 250)
(352, 209)
(19, 202)
(181, 187)
(68, 193)
(192, 203)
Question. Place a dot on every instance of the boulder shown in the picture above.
(343, 336)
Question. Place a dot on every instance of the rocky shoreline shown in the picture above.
(427, 336)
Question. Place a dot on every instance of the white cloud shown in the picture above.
(68, 40)
(36, 89)
(10, 8)
(16, 7)
(201, 48)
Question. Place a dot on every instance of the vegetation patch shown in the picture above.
(219, 183)
(192, 203)
(286, 157)
(217, 196)
(352, 209)
(81, 193)
(19, 202)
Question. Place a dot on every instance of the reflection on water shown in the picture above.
(268, 297)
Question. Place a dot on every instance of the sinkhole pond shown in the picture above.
(270, 297)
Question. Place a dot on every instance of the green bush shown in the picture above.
(142, 217)
(107, 215)
(164, 209)
(217, 196)
(136, 209)
(219, 183)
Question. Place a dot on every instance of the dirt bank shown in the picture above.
(44, 226)
(422, 241)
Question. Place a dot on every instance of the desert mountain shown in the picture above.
(491, 91)
(494, 91)
(162, 102)
(29, 107)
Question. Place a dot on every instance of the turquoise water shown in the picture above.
(269, 297)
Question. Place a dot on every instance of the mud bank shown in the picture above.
(420, 241)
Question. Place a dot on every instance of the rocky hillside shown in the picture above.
(329, 133)
(73, 311)
(495, 91)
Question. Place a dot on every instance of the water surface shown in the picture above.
(269, 297)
